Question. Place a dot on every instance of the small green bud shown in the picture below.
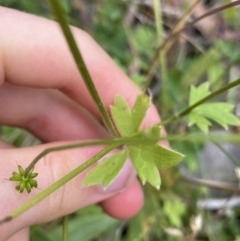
(28, 187)
(22, 186)
(16, 178)
(33, 175)
(31, 171)
(33, 183)
(21, 170)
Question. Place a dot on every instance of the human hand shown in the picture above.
(42, 91)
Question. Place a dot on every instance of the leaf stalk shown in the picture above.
(210, 96)
(56, 7)
(42, 195)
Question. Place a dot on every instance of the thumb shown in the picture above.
(51, 168)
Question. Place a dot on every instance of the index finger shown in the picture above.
(33, 52)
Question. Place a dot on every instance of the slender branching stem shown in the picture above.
(157, 6)
(174, 35)
(118, 141)
(227, 154)
(211, 183)
(162, 56)
(66, 147)
(46, 192)
(186, 138)
(210, 96)
(56, 6)
(64, 229)
(127, 140)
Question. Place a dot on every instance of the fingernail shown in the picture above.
(123, 179)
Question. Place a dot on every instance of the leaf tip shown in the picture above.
(148, 93)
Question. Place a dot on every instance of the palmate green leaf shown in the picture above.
(160, 156)
(198, 93)
(152, 133)
(147, 156)
(122, 116)
(219, 112)
(107, 171)
(128, 121)
(139, 110)
(147, 171)
(200, 121)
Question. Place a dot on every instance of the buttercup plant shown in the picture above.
(140, 145)
(146, 157)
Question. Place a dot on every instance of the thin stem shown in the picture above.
(211, 183)
(198, 137)
(117, 141)
(65, 147)
(202, 138)
(166, 45)
(227, 154)
(33, 201)
(180, 24)
(64, 229)
(190, 108)
(133, 140)
(55, 4)
(216, 10)
(175, 34)
(162, 55)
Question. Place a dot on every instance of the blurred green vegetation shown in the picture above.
(126, 30)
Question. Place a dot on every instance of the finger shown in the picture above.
(65, 200)
(125, 204)
(5, 145)
(34, 53)
(44, 105)
(48, 114)
(59, 137)
(21, 98)
(22, 235)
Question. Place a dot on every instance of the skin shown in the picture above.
(42, 91)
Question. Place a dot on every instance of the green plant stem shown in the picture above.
(135, 140)
(210, 183)
(202, 138)
(65, 147)
(180, 23)
(117, 141)
(55, 4)
(198, 137)
(33, 201)
(227, 154)
(166, 45)
(162, 55)
(190, 108)
(64, 229)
